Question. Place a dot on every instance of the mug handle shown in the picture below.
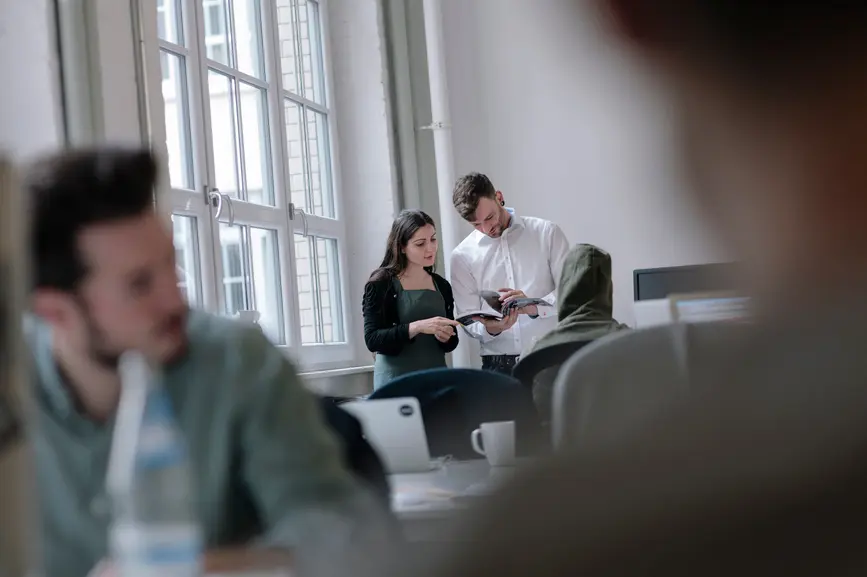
(476, 440)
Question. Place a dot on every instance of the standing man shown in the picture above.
(518, 256)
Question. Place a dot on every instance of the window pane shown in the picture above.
(223, 135)
(266, 282)
(288, 47)
(320, 165)
(164, 65)
(248, 37)
(169, 21)
(311, 51)
(255, 145)
(319, 299)
(184, 232)
(295, 155)
(216, 31)
(235, 282)
(328, 283)
(306, 304)
(251, 276)
(176, 101)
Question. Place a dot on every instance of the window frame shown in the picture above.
(193, 202)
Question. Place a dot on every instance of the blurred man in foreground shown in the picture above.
(269, 474)
(761, 471)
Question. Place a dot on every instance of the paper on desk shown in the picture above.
(420, 496)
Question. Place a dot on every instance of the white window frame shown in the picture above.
(192, 202)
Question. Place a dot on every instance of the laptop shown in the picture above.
(394, 427)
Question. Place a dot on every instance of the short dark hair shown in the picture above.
(75, 189)
(469, 190)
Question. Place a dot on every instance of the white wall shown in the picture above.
(412, 104)
(30, 113)
(569, 131)
(365, 147)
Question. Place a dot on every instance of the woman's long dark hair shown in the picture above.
(404, 226)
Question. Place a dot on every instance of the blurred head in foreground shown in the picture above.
(759, 470)
(103, 262)
(769, 101)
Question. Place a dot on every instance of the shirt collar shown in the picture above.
(49, 378)
(516, 221)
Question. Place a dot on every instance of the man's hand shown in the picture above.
(232, 560)
(239, 560)
(497, 326)
(508, 295)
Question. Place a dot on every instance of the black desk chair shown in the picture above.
(538, 370)
(359, 456)
(454, 402)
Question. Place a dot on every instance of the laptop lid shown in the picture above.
(394, 427)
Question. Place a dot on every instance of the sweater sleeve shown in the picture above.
(383, 331)
(448, 296)
(293, 465)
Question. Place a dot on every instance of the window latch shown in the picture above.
(295, 211)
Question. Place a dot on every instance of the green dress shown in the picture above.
(424, 352)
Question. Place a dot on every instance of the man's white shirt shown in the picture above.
(529, 257)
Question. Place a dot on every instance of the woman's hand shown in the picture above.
(445, 334)
(440, 327)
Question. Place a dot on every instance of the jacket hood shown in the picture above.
(585, 298)
(585, 290)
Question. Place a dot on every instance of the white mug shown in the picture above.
(496, 441)
(249, 316)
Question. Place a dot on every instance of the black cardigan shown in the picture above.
(383, 331)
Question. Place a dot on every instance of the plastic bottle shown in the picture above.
(154, 530)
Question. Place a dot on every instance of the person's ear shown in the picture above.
(54, 307)
(500, 198)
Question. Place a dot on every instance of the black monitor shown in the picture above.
(660, 283)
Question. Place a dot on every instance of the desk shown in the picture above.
(430, 504)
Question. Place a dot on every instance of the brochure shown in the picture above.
(495, 310)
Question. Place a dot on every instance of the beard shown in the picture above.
(503, 221)
(100, 349)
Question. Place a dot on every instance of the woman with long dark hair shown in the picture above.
(408, 308)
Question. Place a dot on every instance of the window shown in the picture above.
(216, 33)
(247, 126)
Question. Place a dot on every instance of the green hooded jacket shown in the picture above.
(585, 306)
(586, 296)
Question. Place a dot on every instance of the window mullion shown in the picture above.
(239, 138)
(232, 48)
(282, 186)
(249, 286)
(299, 57)
(211, 268)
